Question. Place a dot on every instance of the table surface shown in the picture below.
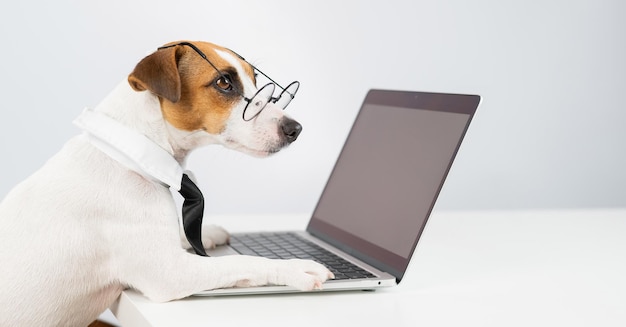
(493, 268)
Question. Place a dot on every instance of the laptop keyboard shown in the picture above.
(290, 245)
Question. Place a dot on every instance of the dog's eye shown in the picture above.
(223, 82)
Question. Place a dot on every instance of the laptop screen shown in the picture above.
(389, 173)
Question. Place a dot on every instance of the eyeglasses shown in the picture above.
(261, 98)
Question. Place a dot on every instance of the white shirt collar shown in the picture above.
(130, 148)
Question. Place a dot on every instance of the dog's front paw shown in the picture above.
(305, 275)
(213, 235)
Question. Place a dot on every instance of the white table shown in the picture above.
(522, 268)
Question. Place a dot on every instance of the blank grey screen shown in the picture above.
(389, 173)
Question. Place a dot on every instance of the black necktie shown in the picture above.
(193, 208)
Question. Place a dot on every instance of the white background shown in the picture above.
(549, 133)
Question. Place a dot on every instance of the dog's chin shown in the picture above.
(259, 153)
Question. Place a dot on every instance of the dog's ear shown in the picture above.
(158, 73)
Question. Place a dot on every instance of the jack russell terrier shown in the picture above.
(99, 216)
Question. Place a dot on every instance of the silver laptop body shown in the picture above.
(384, 185)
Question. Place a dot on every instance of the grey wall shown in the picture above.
(549, 132)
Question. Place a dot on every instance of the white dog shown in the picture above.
(99, 216)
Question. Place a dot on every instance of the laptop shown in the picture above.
(377, 200)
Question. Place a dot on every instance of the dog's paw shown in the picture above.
(305, 275)
(213, 235)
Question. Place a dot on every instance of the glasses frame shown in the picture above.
(295, 85)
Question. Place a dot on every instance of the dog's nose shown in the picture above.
(291, 129)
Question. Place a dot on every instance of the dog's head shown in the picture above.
(211, 92)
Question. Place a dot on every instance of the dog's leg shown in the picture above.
(179, 274)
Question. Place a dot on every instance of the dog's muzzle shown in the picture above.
(290, 129)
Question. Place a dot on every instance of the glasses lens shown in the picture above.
(287, 94)
(258, 102)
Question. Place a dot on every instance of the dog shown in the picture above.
(88, 225)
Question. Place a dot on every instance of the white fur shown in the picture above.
(83, 228)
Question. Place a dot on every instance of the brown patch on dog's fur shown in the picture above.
(183, 81)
